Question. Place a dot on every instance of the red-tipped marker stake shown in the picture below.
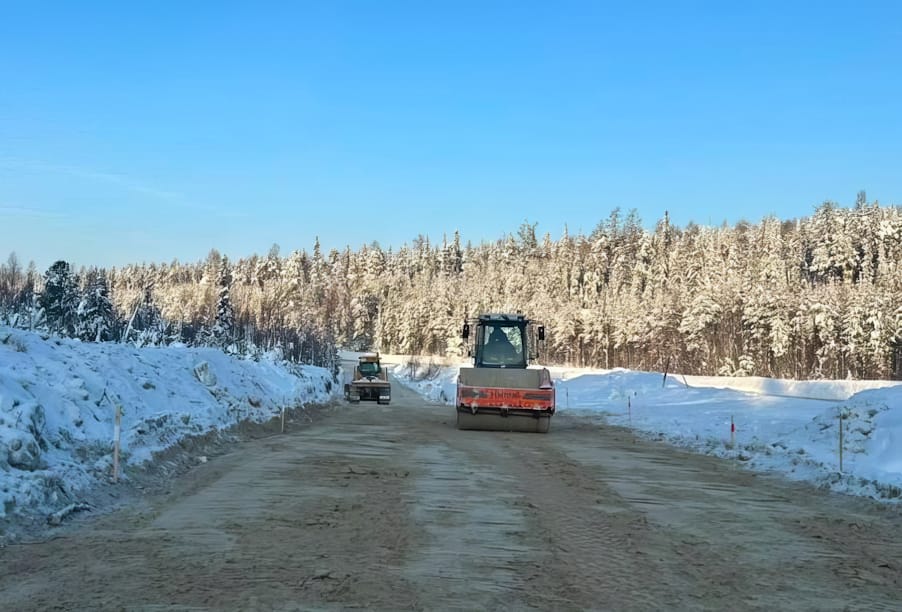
(732, 432)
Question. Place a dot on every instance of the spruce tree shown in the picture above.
(59, 299)
(97, 319)
(224, 324)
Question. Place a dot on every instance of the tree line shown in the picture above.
(155, 305)
(816, 297)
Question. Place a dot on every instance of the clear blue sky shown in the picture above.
(150, 131)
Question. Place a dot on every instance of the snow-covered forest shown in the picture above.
(817, 297)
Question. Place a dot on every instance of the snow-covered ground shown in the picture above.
(58, 398)
(786, 426)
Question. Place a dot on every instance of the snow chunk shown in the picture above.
(22, 450)
(204, 375)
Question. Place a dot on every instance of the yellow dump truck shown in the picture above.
(369, 381)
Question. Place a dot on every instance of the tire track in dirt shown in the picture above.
(725, 536)
(475, 553)
(514, 524)
(598, 557)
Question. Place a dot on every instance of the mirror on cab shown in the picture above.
(466, 333)
(541, 332)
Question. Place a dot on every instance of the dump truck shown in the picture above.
(369, 381)
(501, 392)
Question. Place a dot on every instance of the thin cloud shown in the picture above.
(24, 211)
(123, 181)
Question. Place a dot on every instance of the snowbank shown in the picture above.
(808, 389)
(58, 398)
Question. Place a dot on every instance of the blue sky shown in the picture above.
(150, 131)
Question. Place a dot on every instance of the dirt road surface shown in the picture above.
(392, 508)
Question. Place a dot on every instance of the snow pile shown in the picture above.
(438, 384)
(778, 427)
(58, 399)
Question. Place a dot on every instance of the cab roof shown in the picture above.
(501, 317)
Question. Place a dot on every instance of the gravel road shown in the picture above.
(392, 508)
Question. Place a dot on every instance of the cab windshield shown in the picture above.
(502, 345)
(368, 368)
